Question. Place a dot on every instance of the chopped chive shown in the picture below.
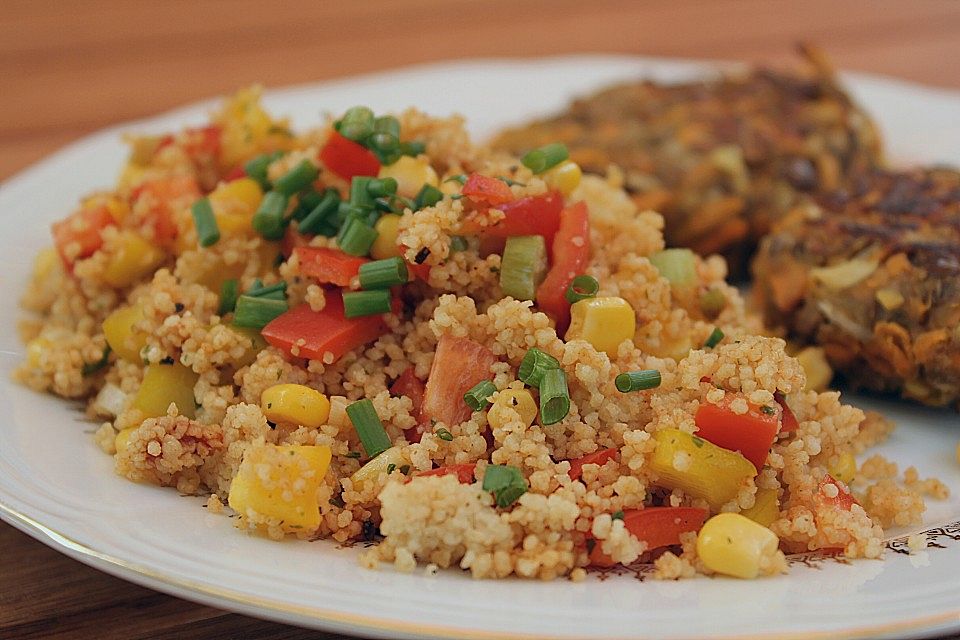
(510, 182)
(356, 455)
(506, 482)
(257, 167)
(356, 124)
(444, 435)
(274, 291)
(256, 312)
(554, 396)
(297, 178)
(581, 288)
(546, 157)
(90, 368)
(618, 515)
(458, 243)
(460, 177)
(387, 124)
(313, 222)
(367, 423)
(383, 274)
(637, 380)
(479, 396)
(268, 220)
(366, 303)
(382, 187)
(307, 202)
(523, 266)
(768, 410)
(229, 290)
(534, 364)
(412, 148)
(208, 233)
(360, 195)
(714, 338)
(356, 237)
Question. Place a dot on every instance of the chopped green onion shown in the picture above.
(229, 290)
(428, 196)
(444, 435)
(506, 482)
(356, 124)
(460, 177)
(274, 291)
(479, 396)
(257, 313)
(546, 157)
(714, 338)
(268, 220)
(204, 221)
(367, 423)
(712, 302)
(523, 266)
(534, 364)
(554, 396)
(297, 178)
(679, 266)
(581, 288)
(366, 303)
(382, 187)
(356, 237)
(412, 148)
(360, 195)
(90, 368)
(307, 202)
(387, 124)
(383, 274)
(313, 222)
(637, 380)
(458, 243)
(257, 167)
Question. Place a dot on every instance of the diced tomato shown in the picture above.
(164, 194)
(788, 421)
(843, 499)
(597, 457)
(751, 433)
(657, 526)
(292, 239)
(328, 266)
(235, 174)
(409, 385)
(486, 190)
(78, 236)
(347, 158)
(322, 331)
(458, 365)
(530, 216)
(464, 472)
(571, 254)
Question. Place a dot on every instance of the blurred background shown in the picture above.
(70, 68)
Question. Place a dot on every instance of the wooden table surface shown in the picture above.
(69, 68)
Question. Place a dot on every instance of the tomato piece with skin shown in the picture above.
(657, 526)
(464, 472)
(788, 420)
(458, 365)
(293, 239)
(409, 385)
(322, 331)
(328, 266)
(486, 190)
(571, 254)
(347, 158)
(751, 433)
(79, 235)
(597, 457)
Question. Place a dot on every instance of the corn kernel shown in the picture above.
(46, 262)
(565, 177)
(519, 400)
(371, 471)
(603, 322)
(765, 509)
(234, 204)
(817, 369)
(122, 439)
(281, 482)
(411, 174)
(36, 348)
(733, 545)
(846, 468)
(700, 468)
(163, 384)
(385, 246)
(120, 335)
(132, 259)
(295, 404)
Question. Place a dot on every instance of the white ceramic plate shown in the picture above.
(58, 487)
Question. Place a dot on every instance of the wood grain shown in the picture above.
(69, 68)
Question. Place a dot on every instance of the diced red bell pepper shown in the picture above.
(293, 239)
(571, 254)
(843, 499)
(751, 433)
(203, 142)
(328, 266)
(78, 236)
(458, 365)
(322, 331)
(464, 472)
(409, 385)
(597, 457)
(788, 421)
(529, 216)
(347, 158)
(486, 190)
(657, 526)
(235, 174)
(164, 192)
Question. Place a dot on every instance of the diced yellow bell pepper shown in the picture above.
(120, 335)
(698, 467)
(163, 384)
(372, 469)
(122, 440)
(604, 322)
(45, 263)
(385, 246)
(234, 204)
(733, 545)
(246, 127)
(295, 404)
(519, 400)
(411, 174)
(846, 468)
(766, 508)
(133, 259)
(281, 482)
(565, 177)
